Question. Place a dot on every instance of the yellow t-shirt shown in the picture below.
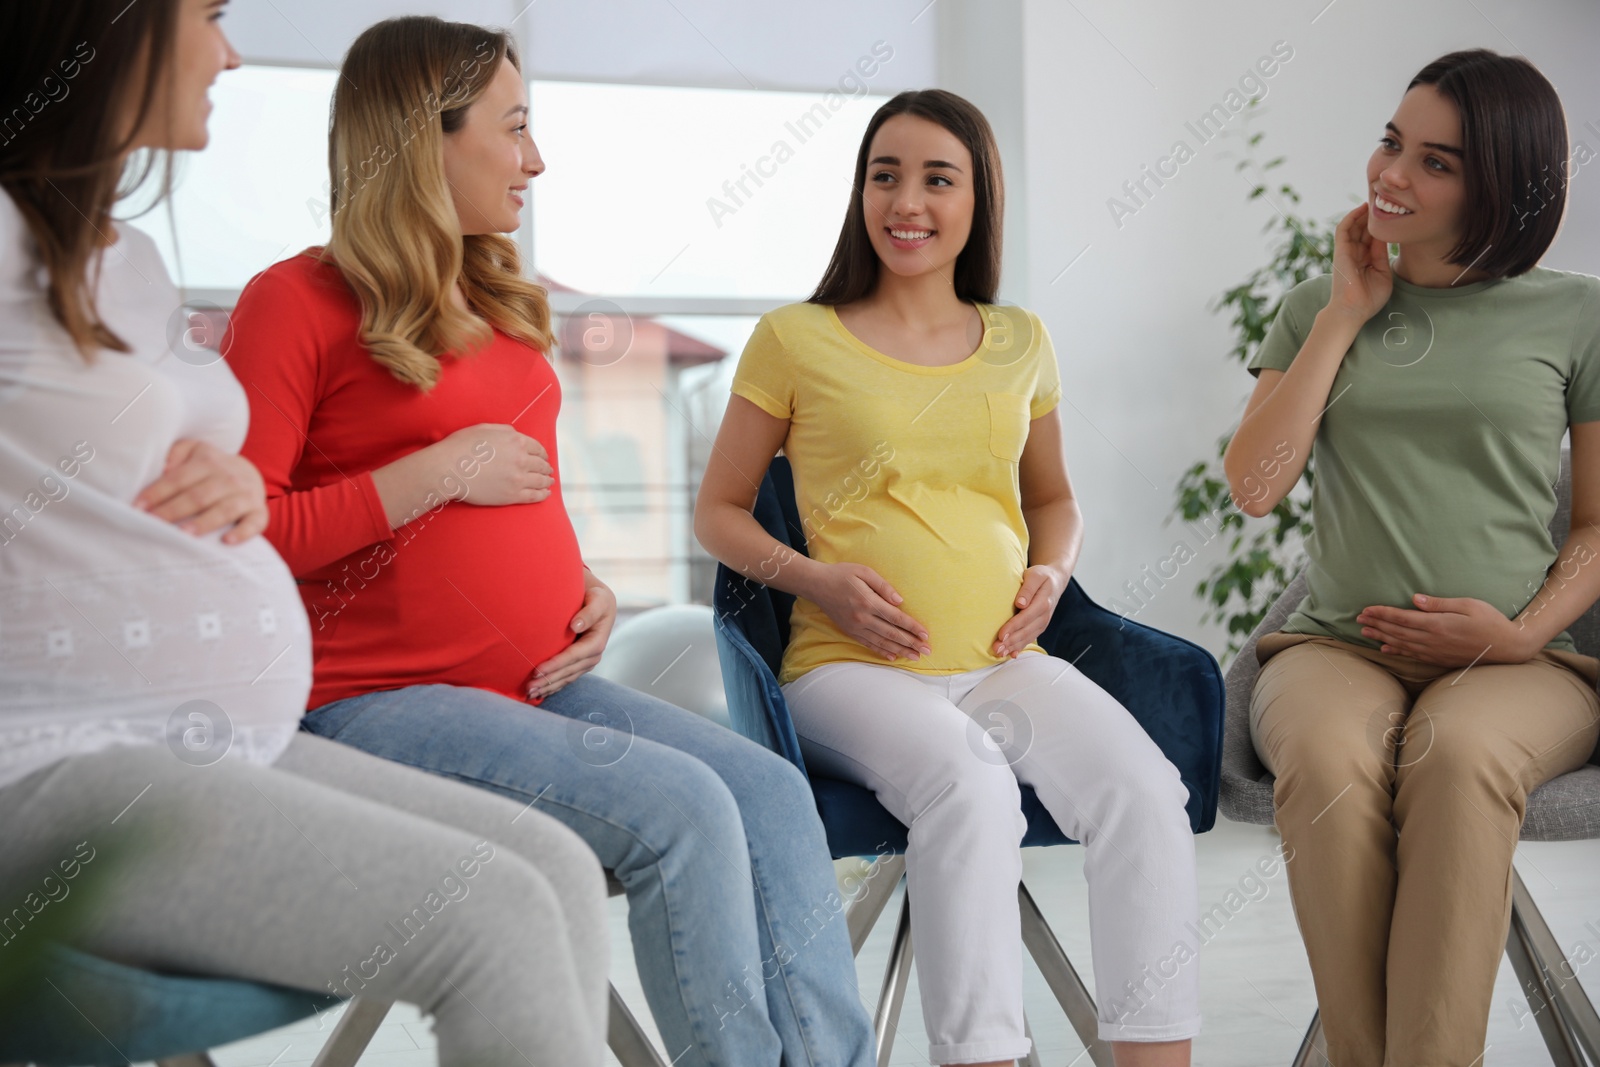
(907, 469)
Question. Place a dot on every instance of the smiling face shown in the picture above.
(178, 114)
(1416, 192)
(918, 196)
(491, 158)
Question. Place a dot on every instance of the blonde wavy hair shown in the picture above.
(396, 236)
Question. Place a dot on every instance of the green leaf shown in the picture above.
(1262, 557)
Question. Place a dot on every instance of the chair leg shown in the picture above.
(1531, 960)
(1062, 978)
(863, 912)
(351, 1034)
(895, 978)
(1313, 1051)
(626, 1039)
(1570, 997)
(187, 1059)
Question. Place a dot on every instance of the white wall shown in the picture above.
(1109, 88)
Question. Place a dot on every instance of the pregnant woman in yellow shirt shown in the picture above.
(921, 421)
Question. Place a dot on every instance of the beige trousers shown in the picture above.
(1401, 787)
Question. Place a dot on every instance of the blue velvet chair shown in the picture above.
(76, 1009)
(79, 1009)
(1173, 687)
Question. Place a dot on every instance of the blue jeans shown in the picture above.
(734, 913)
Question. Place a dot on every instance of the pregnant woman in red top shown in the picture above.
(404, 418)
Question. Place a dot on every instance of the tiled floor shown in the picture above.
(1256, 995)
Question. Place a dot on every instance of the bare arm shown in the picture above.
(1282, 418)
(723, 519)
(1055, 522)
(1287, 406)
(856, 597)
(1055, 534)
(1573, 583)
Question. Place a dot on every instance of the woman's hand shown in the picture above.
(507, 466)
(203, 489)
(1362, 280)
(1448, 631)
(862, 604)
(1036, 600)
(592, 624)
(489, 464)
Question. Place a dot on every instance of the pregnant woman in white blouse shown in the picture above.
(155, 653)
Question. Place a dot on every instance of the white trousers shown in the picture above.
(944, 754)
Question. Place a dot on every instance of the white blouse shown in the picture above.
(117, 627)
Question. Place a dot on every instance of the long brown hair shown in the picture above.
(853, 271)
(396, 236)
(1514, 137)
(69, 70)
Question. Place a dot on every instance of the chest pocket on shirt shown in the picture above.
(1008, 425)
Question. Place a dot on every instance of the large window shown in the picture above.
(258, 192)
(699, 192)
(668, 219)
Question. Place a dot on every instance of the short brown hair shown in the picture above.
(853, 271)
(1514, 140)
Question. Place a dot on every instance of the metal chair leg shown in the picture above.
(1533, 974)
(895, 978)
(626, 1039)
(188, 1059)
(624, 1036)
(1062, 979)
(1567, 1018)
(863, 912)
(352, 1033)
(1579, 1022)
(1313, 1051)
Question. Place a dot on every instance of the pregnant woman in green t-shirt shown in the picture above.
(1426, 682)
(922, 424)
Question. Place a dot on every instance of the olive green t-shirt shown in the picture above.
(1439, 451)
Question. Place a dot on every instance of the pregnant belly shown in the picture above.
(180, 618)
(958, 566)
(477, 597)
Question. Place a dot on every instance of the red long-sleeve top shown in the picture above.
(461, 595)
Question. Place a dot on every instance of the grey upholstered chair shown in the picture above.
(1566, 808)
